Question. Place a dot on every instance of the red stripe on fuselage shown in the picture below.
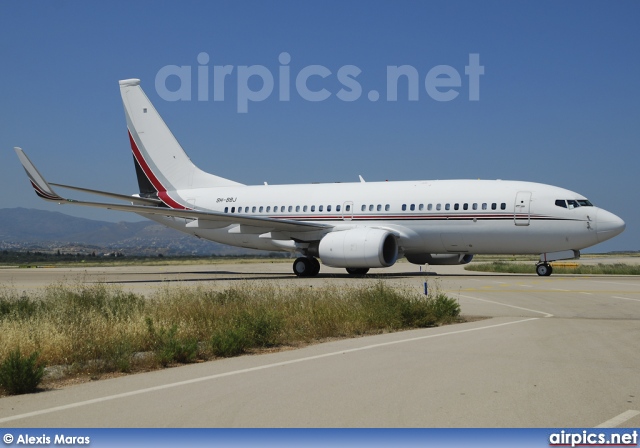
(162, 191)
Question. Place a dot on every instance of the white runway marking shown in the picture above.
(544, 313)
(252, 369)
(613, 283)
(619, 419)
(625, 298)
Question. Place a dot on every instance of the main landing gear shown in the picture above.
(358, 272)
(306, 267)
(544, 269)
(310, 267)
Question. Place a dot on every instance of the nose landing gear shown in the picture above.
(544, 269)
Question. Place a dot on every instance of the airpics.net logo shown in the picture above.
(255, 83)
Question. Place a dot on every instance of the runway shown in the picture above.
(557, 351)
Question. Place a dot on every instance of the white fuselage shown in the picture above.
(438, 217)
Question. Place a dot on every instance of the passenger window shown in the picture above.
(297, 208)
(233, 209)
(387, 207)
(348, 207)
(503, 206)
(438, 207)
(320, 208)
(261, 208)
(268, 208)
(304, 209)
(494, 206)
(226, 209)
(465, 207)
(413, 207)
(379, 208)
(328, 208)
(421, 207)
(371, 207)
(475, 206)
(253, 209)
(484, 206)
(313, 208)
(337, 208)
(404, 207)
(456, 206)
(447, 206)
(430, 207)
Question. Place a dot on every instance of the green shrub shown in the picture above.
(20, 375)
(445, 308)
(228, 342)
(17, 307)
(168, 347)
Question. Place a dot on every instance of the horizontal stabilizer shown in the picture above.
(155, 207)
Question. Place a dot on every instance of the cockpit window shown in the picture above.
(573, 203)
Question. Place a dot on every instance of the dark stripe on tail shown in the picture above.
(144, 184)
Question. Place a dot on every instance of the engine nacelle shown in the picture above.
(359, 248)
(439, 259)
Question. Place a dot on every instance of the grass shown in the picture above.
(94, 329)
(19, 374)
(591, 269)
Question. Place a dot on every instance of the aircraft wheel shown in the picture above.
(306, 267)
(357, 271)
(544, 269)
(315, 264)
(301, 267)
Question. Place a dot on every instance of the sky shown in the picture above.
(307, 96)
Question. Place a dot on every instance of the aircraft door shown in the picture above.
(521, 212)
(347, 211)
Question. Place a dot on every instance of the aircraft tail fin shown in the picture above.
(161, 163)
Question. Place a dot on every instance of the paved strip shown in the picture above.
(252, 369)
(625, 298)
(619, 419)
(544, 313)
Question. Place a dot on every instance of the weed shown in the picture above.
(99, 328)
(19, 374)
(168, 347)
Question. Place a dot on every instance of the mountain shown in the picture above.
(30, 229)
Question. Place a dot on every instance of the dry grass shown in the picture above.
(94, 329)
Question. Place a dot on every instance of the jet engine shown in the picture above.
(439, 259)
(359, 248)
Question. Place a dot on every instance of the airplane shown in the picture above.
(357, 226)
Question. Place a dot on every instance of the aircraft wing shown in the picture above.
(152, 207)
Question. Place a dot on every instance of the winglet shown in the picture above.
(40, 185)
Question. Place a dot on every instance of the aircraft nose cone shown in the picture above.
(609, 225)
